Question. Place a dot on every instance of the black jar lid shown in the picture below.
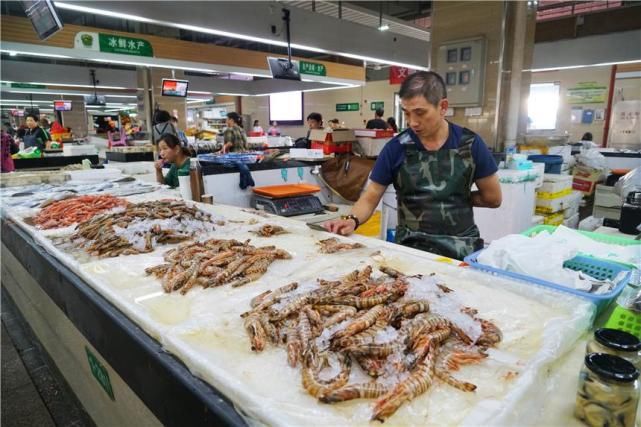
(617, 340)
(611, 367)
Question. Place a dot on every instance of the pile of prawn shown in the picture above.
(364, 320)
(64, 213)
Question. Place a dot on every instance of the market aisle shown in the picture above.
(33, 394)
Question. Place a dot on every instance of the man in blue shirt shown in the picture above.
(432, 166)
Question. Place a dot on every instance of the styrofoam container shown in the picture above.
(79, 150)
(572, 222)
(370, 147)
(554, 205)
(540, 170)
(553, 183)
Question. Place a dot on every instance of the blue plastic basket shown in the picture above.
(596, 268)
(230, 158)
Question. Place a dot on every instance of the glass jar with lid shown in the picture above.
(618, 343)
(608, 392)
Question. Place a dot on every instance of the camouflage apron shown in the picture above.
(433, 191)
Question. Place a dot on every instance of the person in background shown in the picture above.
(334, 124)
(314, 121)
(45, 124)
(174, 152)
(257, 127)
(273, 130)
(391, 122)
(181, 135)
(235, 138)
(377, 122)
(7, 147)
(34, 135)
(162, 125)
(586, 137)
(9, 129)
(432, 165)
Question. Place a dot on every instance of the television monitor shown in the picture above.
(281, 68)
(172, 87)
(62, 105)
(286, 108)
(43, 17)
(95, 100)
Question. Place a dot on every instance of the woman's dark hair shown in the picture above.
(587, 136)
(33, 116)
(427, 84)
(256, 122)
(315, 116)
(173, 141)
(235, 117)
(161, 116)
(334, 121)
(392, 122)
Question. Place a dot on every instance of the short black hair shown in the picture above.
(161, 116)
(33, 116)
(427, 84)
(587, 136)
(235, 117)
(315, 116)
(174, 119)
(380, 112)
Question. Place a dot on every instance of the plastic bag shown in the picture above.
(28, 153)
(629, 182)
(592, 158)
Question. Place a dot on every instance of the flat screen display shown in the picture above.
(43, 16)
(281, 68)
(171, 87)
(286, 108)
(62, 105)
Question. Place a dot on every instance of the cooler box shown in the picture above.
(339, 141)
(552, 162)
(374, 133)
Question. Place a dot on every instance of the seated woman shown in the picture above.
(177, 154)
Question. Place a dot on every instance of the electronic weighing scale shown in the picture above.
(287, 199)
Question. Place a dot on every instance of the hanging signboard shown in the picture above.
(351, 106)
(587, 93)
(111, 43)
(312, 68)
(375, 105)
(398, 74)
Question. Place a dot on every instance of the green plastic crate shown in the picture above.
(625, 320)
(603, 238)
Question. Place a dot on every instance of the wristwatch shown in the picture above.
(350, 216)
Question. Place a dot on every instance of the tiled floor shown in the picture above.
(33, 392)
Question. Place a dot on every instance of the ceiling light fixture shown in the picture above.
(572, 67)
(205, 30)
(44, 55)
(72, 85)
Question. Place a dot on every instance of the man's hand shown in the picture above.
(343, 227)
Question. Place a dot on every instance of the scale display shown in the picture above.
(288, 206)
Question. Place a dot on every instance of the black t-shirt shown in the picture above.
(376, 124)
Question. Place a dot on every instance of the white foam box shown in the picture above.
(606, 196)
(304, 153)
(569, 212)
(572, 222)
(79, 150)
(553, 183)
(370, 147)
(554, 205)
(94, 175)
(611, 213)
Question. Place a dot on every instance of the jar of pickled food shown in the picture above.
(617, 343)
(608, 392)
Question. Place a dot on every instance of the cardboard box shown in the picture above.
(337, 141)
(586, 178)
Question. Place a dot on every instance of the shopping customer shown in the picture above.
(235, 138)
(7, 148)
(377, 122)
(273, 130)
(174, 152)
(34, 135)
(163, 125)
(391, 122)
(257, 127)
(432, 165)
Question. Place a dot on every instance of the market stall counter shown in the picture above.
(128, 302)
(53, 162)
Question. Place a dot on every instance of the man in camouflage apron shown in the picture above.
(433, 190)
(432, 166)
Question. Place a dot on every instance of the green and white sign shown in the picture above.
(312, 68)
(375, 105)
(350, 106)
(100, 373)
(587, 93)
(27, 86)
(111, 43)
